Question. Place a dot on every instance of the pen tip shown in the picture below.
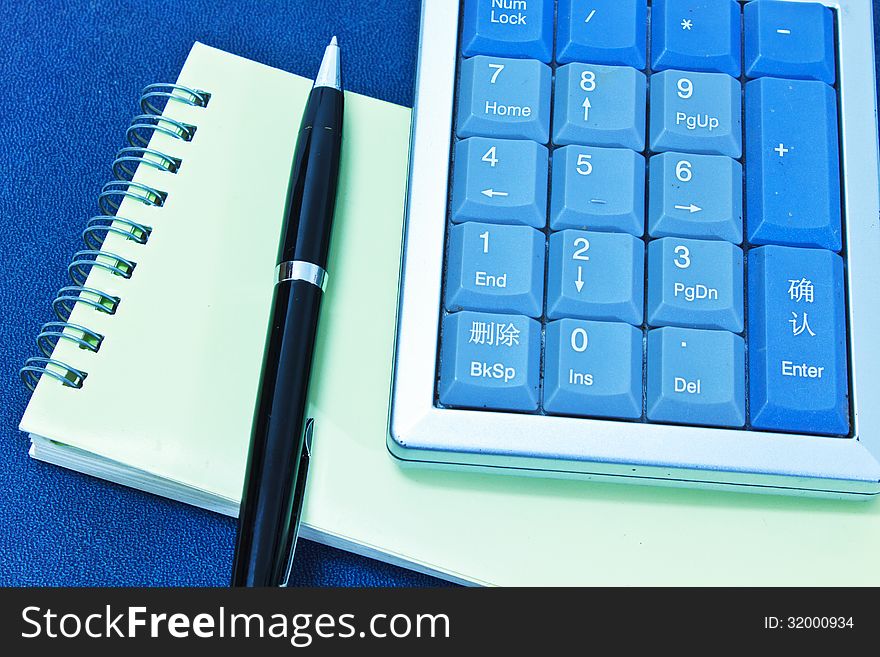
(329, 75)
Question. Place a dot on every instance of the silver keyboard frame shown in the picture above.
(422, 433)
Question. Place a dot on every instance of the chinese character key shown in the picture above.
(797, 333)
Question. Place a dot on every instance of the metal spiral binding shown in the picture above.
(52, 332)
(128, 159)
(175, 92)
(34, 368)
(112, 193)
(70, 295)
(78, 269)
(98, 227)
(148, 123)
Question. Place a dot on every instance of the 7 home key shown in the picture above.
(657, 279)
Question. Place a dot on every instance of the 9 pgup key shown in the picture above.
(696, 113)
(694, 121)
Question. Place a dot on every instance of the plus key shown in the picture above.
(792, 170)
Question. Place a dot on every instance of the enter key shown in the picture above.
(797, 331)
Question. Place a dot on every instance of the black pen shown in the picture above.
(277, 464)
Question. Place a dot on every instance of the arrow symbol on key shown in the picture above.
(579, 283)
(491, 193)
(587, 105)
(690, 208)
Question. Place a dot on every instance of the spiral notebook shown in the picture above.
(149, 375)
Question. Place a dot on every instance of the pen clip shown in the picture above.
(307, 438)
(299, 493)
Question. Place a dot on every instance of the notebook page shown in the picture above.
(171, 390)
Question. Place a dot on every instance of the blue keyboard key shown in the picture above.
(789, 40)
(696, 35)
(696, 377)
(504, 98)
(792, 172)
(695, 196)
(602, 32)
(596, 276)
(797, 333)
(696, 113)
(508, 28)
(598, 189)
(495, 268)
(490, 361)
(500, 181)
(600, 106)
(695, 283)
(593, 368)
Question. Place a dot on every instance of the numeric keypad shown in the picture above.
(609, 193)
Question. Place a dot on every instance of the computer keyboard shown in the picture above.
(634, 258)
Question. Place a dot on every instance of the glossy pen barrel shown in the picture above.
(268, 519)
(279, 452)
(315, 174)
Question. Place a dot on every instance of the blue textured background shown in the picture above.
(70, 73)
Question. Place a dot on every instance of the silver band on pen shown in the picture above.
(299, 270)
